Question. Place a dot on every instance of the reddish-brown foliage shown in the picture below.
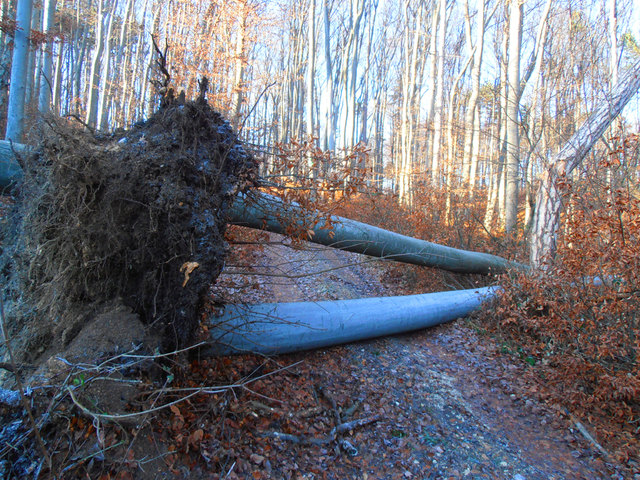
(577, 323)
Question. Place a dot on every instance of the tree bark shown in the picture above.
(46, 82)
(264, 211)
(94, 76)
(275, 328)
(512, 128)
(439, 91)
(19, 62)
(549, 198)
(472, 128)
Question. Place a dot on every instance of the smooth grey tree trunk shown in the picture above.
(46, 82)
(274, 328)
(549, 198)
(102, 114)
(94, 76)
(328, 131)
(439, 92)
(19, 62)
(512, 120)
(472, 128)
(263, 211)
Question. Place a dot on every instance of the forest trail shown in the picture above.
(448, 404)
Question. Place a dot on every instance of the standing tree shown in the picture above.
(549, 199)
(512, 121)
(18, 82)
(46, 83)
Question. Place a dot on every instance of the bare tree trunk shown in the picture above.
(240, 54)
(311, 67)
(32, 68)
(472, 129)
(549, 199)
(311, 75)
(94, 76)
(19, 63)
(102, 115)
(409, 108)
(437, 127)
(328, 136)
(46, 82)
(512, 130)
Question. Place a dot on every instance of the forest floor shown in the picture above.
(443, 403)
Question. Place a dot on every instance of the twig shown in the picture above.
(343, 427)
(25, 402)
(332, 402)
(346, 426)
(105, 416)
(194, 391)
(230, 470)
(264, 90)
(583, 430)
(82, 122)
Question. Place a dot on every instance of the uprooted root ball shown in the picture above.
(138, 215)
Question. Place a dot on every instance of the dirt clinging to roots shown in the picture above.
(138, 215)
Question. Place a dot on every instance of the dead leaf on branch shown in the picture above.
(188, 268)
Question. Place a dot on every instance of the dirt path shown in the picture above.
(446, 404)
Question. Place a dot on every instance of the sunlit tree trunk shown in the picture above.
(240, 60)
(430, 94)
(46, 82)
(94, 76)
(512, 120)
(102, 114)
(439, 91)
(328, 136)
(472, 129)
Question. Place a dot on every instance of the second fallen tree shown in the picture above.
(263, 211)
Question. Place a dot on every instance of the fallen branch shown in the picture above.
(335, 431)
(585, 433)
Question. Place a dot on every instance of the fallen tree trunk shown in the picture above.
(263, 211)
(274, 328)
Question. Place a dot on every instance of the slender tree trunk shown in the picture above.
(240, 56)
(32, 68)
(439, 91)
(46, 82)
(311, 67)
(512, 130)
(472, 129)
(102, 115)
(19, 63)
(328, 141)
(94, 76)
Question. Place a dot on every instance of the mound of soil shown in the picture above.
(137, 216)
